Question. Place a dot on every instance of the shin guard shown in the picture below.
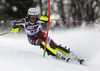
(48, 49)
(62, 50)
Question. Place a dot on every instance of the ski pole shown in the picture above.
(78, 21)
(71, 21)
(4, 33)
(44, 18)
(13, 30)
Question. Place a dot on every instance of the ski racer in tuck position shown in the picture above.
(37, 37)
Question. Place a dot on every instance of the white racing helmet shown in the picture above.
(32, 11)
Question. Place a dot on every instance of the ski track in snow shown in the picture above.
(16, 54)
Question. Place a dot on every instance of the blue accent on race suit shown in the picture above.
(33, 35)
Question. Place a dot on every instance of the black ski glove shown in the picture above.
(15, 26)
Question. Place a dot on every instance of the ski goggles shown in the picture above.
(32, 16)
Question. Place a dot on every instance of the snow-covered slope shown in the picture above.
(16, 54)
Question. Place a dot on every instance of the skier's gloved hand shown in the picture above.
(45, 19)
(15, 26)
(15, 29)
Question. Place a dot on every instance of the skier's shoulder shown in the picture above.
(40, 21)
(22, 20)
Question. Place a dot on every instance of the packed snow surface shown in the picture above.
(16, 54)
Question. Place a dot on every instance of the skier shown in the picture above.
(36, 36)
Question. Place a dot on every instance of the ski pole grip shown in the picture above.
(15, 26)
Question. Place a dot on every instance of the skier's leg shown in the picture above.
(34, 41)
(59, 48)
(62, 49)
(67, 53)
(48, 49)
(40, 37)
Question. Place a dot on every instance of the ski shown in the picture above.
(75, 58)
(81, 61)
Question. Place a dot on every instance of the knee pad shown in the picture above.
(32, 41)
(38, 41)
(48, 40)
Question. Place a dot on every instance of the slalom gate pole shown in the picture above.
(47, 28)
